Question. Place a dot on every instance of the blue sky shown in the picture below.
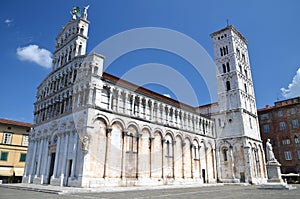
(271, 27)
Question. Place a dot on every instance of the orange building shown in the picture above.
(13, 149)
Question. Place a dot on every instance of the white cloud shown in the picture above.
(35, 54)
(8, 21)
(293, 89)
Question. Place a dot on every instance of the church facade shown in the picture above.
(93, 129)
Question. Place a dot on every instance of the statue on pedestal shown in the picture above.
(269, 152)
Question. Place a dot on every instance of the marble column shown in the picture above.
(75, 149)
(232, 162)
(123, 167)
(45, 161)
(56, 157)
(32, 161)
(64, 159)
(248, 173)
(39, 157)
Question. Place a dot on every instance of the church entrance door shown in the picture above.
(52, 161)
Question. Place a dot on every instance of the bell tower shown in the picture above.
(235, 87)
(71, 41)
(238, 143)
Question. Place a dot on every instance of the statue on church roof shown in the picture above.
(85, 11)
(76, 12)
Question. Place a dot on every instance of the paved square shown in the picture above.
(226, 191)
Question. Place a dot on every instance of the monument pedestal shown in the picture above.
(274, 173)
(274, 177)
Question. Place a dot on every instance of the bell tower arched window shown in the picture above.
(224, 68)
(228, 88)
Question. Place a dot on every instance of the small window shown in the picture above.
(295, 124)
(293, 111)
(250, 122)
(298, 154)
(130, 142)
(95, 70)
(23, 157)
(221, 51)
(266, 128)
(264, 116)
(196, 154)
(238, 52)
(224, 68)
(245, 88)
(282, 126)
(25, 140)
(246, 74)
(225, 154)
(79, 49)
(241, 70)
(286, 141)
(288, 155)
(280, 114)
(243, 57)
(4, 156)
(7, 138)
(228, 86)
(169, 149)
(228, 67)
(81, 31)
(296, 140)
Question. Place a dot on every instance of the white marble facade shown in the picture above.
(92, 129)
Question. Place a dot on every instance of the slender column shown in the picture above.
(247, 162)
(46, 155)
(173, 157)
(117, 101)
(163, 156)
(214, 160)
(39, 158)
(150, 154)
(199, 157)
(149, 105)
(183, 158)
(56, 157)
(123, 169)
(206, 165)
(132, 105)
(192, 160)
(232, 161)
(219, 176)
(75, 149)
(137, 155)
(64, 159)
(110, 100)
(108, 131)
(254, 161)
(33, 159)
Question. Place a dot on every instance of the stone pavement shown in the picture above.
(70, 190)
(224, 191)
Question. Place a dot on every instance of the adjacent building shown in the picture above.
(13, 149)
(94, 129)
(280, 123)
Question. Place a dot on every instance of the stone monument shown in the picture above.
(273, 166)
(273, 170)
